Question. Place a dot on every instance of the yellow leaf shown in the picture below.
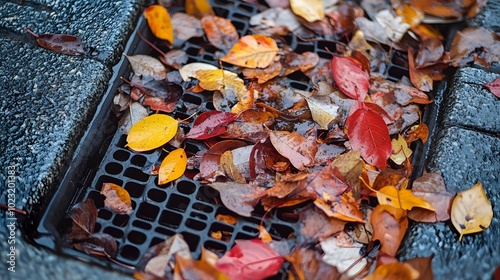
(173, 166)
(471, 211)
(151, 132)
(310, 10)
(159, 22)
(400, 150)
(253, 51)
(404, 199)
(198, 8)
(410, 15)
(264, 235)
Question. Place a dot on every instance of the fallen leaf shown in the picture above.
(161, 95)
(185, 27)
(295, 147)
(98, 244)
(228, 219)
(423, 266)
(346, 258)
(227, 82)
(117, 198)
(189, 71)
(350, 166)
(158, 261)
(468, 42)
(494, 87)
(432, 188)
(311, 10)
(145, 65)
(210, 161)
(252, 51)
(135, 113)
(187, 268)
(250, 260)
(394, 27)
(307, 264)
(210, 124)
(394, 271)
(316, 226)
(159, 22)
(323, 110)
(61, 43)
(429, 53)
(151, 132)
(83, 216)
(404, 199)
(389, 227)
(369, 134)
(390, 177)
(263, 74)
(400, 150)
(409, 14)
(292, 62)
(350, 78)
(264, 158)
(471, 211)
(221, 33)
(228, 167)
(419, 78)
(239, 198)
(340, 208)
(198, 8)
(264, 235)
(172, 167)
(419, 131)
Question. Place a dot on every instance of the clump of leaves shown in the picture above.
(322, 152)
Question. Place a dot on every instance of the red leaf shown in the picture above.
(250, 260)
(61, 43)
(350, 78)
(369, 134)
(210, 124)
(494, 87)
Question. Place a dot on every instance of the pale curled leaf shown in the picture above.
(471, 211)
(117, 198)
(323, 110)
(310, 10)
(145, 65)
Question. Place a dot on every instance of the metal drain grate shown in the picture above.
(184, 206)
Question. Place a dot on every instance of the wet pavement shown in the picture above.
(48, 100)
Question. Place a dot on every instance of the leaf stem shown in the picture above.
(31, 32)
(7, 208)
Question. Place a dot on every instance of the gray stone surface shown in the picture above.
(469, 104)
(464, 157)
(488, 17)
(47, 102)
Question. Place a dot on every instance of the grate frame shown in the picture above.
(184, 206)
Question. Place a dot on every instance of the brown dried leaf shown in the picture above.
(294, 146)
(469, 41)
(432, 188)
(98, 244)
(316, 226)
(83, 216)
(185, 27)
(307, 264)
(239, 198)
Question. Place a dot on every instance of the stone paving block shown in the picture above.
(464, 157)
(469, 103)
(103, 25)
(488, 17)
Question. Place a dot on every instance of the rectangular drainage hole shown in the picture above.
(178, 202)
(136, 174)
(196, 225)
(130, 252)
(148, 211)
(170, 219)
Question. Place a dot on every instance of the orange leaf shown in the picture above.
(220, 31)
(419, 78)
(173, 166)
(159, 22)
(117, 198)
(389, 227)
(198, 8)
(253, 51)
(403, 199)
(264, 235)
(341, 208)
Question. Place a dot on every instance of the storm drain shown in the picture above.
(184, 206)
